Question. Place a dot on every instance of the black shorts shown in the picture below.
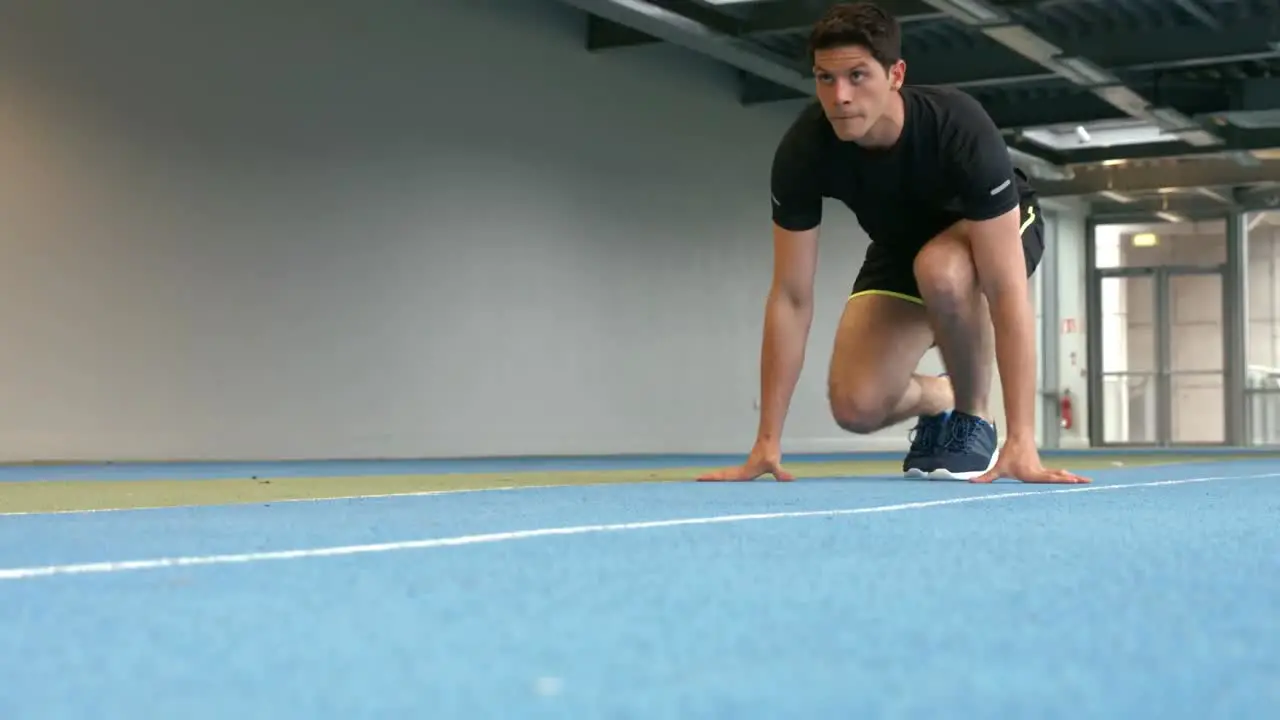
(884, 273)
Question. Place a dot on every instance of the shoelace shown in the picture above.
(923, 434)
(962, 433)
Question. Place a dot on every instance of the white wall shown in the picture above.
(1068, 231)
(271, 230)
(261, 230)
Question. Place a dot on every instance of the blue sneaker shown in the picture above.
(926, 444)
(967, 448)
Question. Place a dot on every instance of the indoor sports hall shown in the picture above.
(364, 356)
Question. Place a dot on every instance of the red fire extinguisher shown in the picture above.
(1066, 410)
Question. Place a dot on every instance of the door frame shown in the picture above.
(1163, 375)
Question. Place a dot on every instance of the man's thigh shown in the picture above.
(879, 342)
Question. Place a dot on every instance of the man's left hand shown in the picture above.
(1021, 461)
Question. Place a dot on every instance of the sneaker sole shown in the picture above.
(945, 474)
(948, 475)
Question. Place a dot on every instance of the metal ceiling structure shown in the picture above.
(1139, 106)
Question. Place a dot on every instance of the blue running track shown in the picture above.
(1152, 593)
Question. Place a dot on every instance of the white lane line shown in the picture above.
(240, 558)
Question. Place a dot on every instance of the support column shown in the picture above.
(1093, 330)
(1164, 358)
(1235, 328)
(1050, 350)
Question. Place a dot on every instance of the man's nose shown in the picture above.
(844, 92)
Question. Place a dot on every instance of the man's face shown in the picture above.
(854, 88)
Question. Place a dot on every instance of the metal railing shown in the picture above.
(1262, 413)
(1129, 413)
(1262, 406)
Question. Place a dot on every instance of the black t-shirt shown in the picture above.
(950, 163)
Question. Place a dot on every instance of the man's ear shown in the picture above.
(898, 74)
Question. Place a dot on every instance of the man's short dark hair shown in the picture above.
(858, 23)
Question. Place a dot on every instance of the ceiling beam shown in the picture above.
(1258, 198)
(1065, 104)
(1175, 47)
(677, 29)
(1134, 57)
(1114, 48)
(607, 35)
(1227, 100)
(1125, 53)
(1235, 139)
(1183, 205)
(998, 25)
(1256, 95)
(1186, 202)
(761, 18)
(1198, 11)
(1117, 216)
(1074, 108)
(1149, 176)
(605, 32)
(1242, 114)
(784, 16)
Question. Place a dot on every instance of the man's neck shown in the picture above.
(887, 130)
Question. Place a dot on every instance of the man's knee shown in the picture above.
(878, 345)
(861, 411)
(946, 275)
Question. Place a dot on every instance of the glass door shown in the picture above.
(1195, 381)
(1130, 378)
(1161, 380)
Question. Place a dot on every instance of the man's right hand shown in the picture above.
(763, 461)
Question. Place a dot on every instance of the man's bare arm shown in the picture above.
(996, 245)
(997, 254)
(787, 320)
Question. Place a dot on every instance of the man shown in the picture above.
(955, 234)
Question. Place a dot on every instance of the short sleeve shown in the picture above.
(796, 177)
(980, 166)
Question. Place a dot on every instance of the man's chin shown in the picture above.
(849, 129)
